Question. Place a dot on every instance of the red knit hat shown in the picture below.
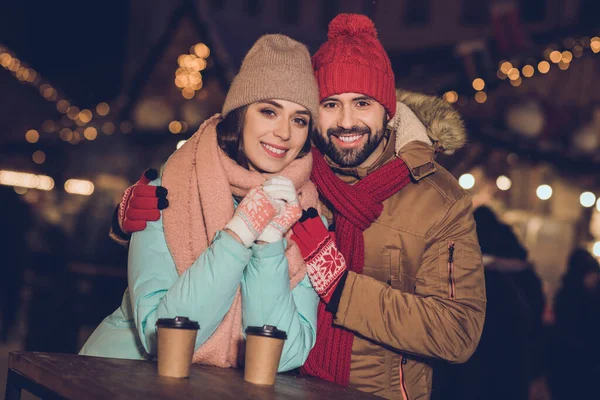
(354, 61)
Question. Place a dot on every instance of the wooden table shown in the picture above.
(65, 376)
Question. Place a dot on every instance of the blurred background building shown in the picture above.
(91, 94)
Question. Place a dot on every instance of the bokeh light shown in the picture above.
(587, 199)
(466, 181)
(503, 182)
(544, 192)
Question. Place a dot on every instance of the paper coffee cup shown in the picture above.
(263, 351)
(176, 339)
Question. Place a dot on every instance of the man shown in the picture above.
(411, 288)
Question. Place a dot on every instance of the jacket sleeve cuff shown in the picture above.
(116, 233)
(225, 240)
(336, 296)
(267, 250)
(341, 311)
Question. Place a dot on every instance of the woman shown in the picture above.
(217, 255)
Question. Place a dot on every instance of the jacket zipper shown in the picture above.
(451, 287)
(403, 361)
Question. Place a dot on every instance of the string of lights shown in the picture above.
(587, 199)
(76, 124)
(517, 70)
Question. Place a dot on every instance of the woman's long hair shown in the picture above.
(231, 140)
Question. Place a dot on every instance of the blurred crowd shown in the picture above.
(44, 301)
(528, 349)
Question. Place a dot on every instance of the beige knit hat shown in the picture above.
(276, 67)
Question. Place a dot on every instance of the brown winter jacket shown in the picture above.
(422, 293)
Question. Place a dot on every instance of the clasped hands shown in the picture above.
(266, 213)
(269, 211)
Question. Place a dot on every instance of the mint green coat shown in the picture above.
(204, 293)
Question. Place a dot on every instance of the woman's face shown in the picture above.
(274, 133)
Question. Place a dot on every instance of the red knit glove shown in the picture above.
(325, 264)
(140, 203)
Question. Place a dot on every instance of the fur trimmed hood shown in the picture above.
(427, 119)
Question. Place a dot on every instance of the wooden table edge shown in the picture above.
(30, 367)
(40, 376)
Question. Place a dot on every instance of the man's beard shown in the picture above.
(349, 158)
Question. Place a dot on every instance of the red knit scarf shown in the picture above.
(355, 208)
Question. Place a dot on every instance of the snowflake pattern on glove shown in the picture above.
(256, 209)
(284, 221)
(325, 266)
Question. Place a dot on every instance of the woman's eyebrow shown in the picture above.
(279, 106)
(272, 102)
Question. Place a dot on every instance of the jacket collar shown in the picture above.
(419, 157)
(443, 124)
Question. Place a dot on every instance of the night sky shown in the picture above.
(77, 45)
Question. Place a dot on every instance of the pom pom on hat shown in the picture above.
(351, 25)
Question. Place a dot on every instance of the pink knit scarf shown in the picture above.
(202, 180)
